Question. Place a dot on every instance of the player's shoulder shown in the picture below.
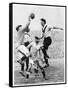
(31, 43)
(49, 26)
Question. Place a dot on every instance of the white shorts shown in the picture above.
(24, 50)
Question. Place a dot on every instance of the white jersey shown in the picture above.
(35, 46)
(34, 49)
(47, 30)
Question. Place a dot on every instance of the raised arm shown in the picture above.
(29, 21)
(30, 45)
(30, 18)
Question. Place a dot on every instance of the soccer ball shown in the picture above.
(32, 15)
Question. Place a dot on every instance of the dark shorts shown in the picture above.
(47, 42)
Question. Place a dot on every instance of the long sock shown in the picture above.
(43, 74)
(27, 64)
(22, 67)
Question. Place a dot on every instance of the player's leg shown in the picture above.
(46, 60)
(42, 70)
(45, 56)
(27, 63)
(22, 67)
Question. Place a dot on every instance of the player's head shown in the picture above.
(36, 39)
(43, 21)
(19, 27)
(26, 43)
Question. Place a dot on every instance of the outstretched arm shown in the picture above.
(29, 21)
(50, 28)
(57, 28)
